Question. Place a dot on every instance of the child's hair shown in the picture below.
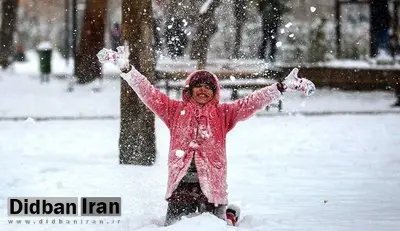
(203, 77)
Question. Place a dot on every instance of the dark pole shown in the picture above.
(338, 28)
(395, 25)
(371, 33)
(395, 16)
(67, 16)
(74, 32)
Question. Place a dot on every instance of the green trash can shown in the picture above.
(44, 50)
(45, 61)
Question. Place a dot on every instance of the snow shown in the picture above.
(205, 6)
(45, 45)
(295, 172)
(288, 25)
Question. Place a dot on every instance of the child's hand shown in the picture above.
(123, 65)
(123, 58)
(293, 82)
(120, 58)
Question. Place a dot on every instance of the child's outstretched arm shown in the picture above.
(154, 99)
(244, 108)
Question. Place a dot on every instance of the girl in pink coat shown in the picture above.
(198, 124)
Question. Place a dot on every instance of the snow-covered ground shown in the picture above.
(335, 172)
(281, 173)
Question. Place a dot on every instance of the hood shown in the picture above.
(194, 76)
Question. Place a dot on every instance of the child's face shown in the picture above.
(202, 93)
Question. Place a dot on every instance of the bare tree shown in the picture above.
(8, 25)
(206, 27)
(87, 67)
(137, 134)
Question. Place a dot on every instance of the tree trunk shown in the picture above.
(206, 27)
(87, 67)
(137, 134)
(379, 26)
(240, 19)
(8, 25)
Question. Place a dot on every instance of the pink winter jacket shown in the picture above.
(184, 119)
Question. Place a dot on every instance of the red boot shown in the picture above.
(232, 214)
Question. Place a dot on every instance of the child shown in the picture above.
(198, 124)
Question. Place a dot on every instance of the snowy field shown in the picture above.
(325, 172)
(286, 173)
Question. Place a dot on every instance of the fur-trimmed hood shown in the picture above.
(196, 75)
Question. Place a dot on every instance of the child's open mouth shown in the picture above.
(202, 95)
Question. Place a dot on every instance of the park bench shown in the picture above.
(228, 80)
